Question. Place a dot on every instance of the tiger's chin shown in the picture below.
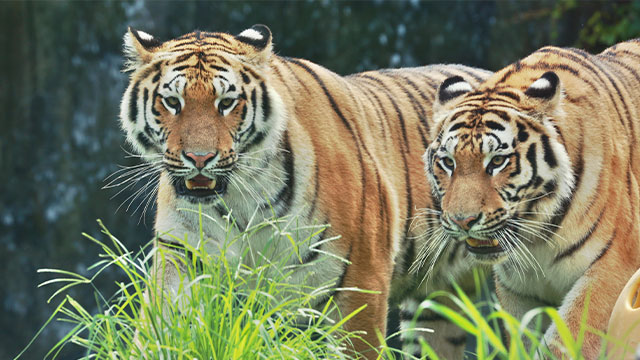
(200, 189)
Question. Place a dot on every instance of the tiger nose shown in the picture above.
(465, 222)
(200, 160)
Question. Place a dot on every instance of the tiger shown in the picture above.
(233, 128)
(535, 173)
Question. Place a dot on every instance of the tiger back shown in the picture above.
(537, 172)
(237, 130)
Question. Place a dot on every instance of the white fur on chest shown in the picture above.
(244, 204)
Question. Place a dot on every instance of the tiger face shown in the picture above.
(195, 105)
(497, 166)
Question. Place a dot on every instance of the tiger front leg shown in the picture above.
(373, 318)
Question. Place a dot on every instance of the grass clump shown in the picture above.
(496, 334)
(222, 309)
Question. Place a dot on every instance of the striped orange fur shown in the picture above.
(537, 171)
(223, 118)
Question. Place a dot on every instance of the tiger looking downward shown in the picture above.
(536, 173)
(235, 128)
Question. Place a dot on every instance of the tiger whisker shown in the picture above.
(152, 195)
(132, 182)
(524, 201)
(534, 233)
(135, 195)
(533, 262)
(129, 173)
(251, 192)
(267, 176)
(234, 184)
(513, 257)
(535, 229)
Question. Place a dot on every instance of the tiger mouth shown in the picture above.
(200, 186)
(483, 246)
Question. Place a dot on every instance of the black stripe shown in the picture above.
(133, 104)
(254, 105)
(182, 58)
(245, 78)
(531, 157)
(549, 155)
(215, 36)
(266, 102)
(578, 171)
(459, 125)
(604, 249)
(181, 67)
(144, 141)
(219, 68)
(283, 200)
(523, 135)
(314, 202)
(155, 95)
(493, 125)
(578, 245)
(145, 99)
(244, 112)
(510, 94)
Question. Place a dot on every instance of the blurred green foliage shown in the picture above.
(60, 87)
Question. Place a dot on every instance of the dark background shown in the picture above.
(60, 88)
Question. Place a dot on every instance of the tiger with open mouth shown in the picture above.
(232, 128)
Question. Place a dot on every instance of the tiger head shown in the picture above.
(497, 165)
(196, 104)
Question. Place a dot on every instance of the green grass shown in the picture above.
(226, 310)
(482, 321)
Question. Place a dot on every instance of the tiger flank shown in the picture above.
(537, 172)
(232, 127)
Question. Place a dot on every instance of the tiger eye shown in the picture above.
(226, 102)
(448, 162)
(172, 101)
(498, 160)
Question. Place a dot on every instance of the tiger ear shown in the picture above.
(138, 48)
(546, 92)
(257, 37)
(450, 89)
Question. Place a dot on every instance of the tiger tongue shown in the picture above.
(200, 182)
